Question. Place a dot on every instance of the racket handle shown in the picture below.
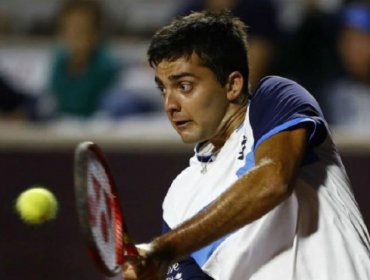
(130, 250)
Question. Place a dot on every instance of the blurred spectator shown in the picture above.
(5, 24)
(309, 30)
(346, 99)
(263, 30)
(292, 14)
(11, 100)
(83, 69)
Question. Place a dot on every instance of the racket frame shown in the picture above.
(82, 153)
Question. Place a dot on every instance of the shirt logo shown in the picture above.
(174, 269)
(241, 152)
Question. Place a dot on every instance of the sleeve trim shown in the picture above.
(285, 126)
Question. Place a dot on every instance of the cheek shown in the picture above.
(210, 97)
(211, 109)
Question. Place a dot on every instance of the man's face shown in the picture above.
(195, 102)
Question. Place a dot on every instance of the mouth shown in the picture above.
(181, 124)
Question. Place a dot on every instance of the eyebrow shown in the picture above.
(181, 75)
(176, 77)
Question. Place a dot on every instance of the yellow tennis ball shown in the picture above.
(36, 205)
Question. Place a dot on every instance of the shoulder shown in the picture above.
(103, 54)
(277, 85)
(274, 92)
(106, 60)
(279, 104)
(59, 54)
(269, 80)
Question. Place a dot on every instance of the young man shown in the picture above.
(265, 195)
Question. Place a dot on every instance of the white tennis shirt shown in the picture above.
(316, 234)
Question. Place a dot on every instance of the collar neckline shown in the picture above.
(204, 152)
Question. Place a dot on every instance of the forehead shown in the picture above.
(167, 68)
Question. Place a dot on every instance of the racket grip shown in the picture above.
(130, 250)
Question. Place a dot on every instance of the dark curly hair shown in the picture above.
(218, 38)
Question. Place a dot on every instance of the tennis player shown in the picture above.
(265, 195)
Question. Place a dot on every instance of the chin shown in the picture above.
(192, 140)
(189, 139)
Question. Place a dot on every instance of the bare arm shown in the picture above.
(249, 198)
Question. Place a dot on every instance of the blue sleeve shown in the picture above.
(185, 269)
(280, 104)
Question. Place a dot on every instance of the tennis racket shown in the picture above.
(99, 210)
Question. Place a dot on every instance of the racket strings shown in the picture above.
(104, 216)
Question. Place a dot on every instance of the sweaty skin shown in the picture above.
(200, 108)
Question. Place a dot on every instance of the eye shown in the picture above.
(185, 86)
(161, 90)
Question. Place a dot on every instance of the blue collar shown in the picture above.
(204, 152)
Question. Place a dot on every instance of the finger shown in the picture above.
(129, 271)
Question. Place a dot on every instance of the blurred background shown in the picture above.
(76, 70)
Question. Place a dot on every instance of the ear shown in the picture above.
(234, 85)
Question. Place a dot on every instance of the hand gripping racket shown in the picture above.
(99, 210)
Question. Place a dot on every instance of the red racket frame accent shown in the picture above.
(125, 246)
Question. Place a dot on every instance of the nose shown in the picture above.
(171, 103)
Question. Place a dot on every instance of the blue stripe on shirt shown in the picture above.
(309, 157)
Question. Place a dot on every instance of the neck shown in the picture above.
(232, 121)
(78, 65)
(79, 61)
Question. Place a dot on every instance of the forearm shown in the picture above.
(245, 201)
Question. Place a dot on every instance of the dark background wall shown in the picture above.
(56, 250)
